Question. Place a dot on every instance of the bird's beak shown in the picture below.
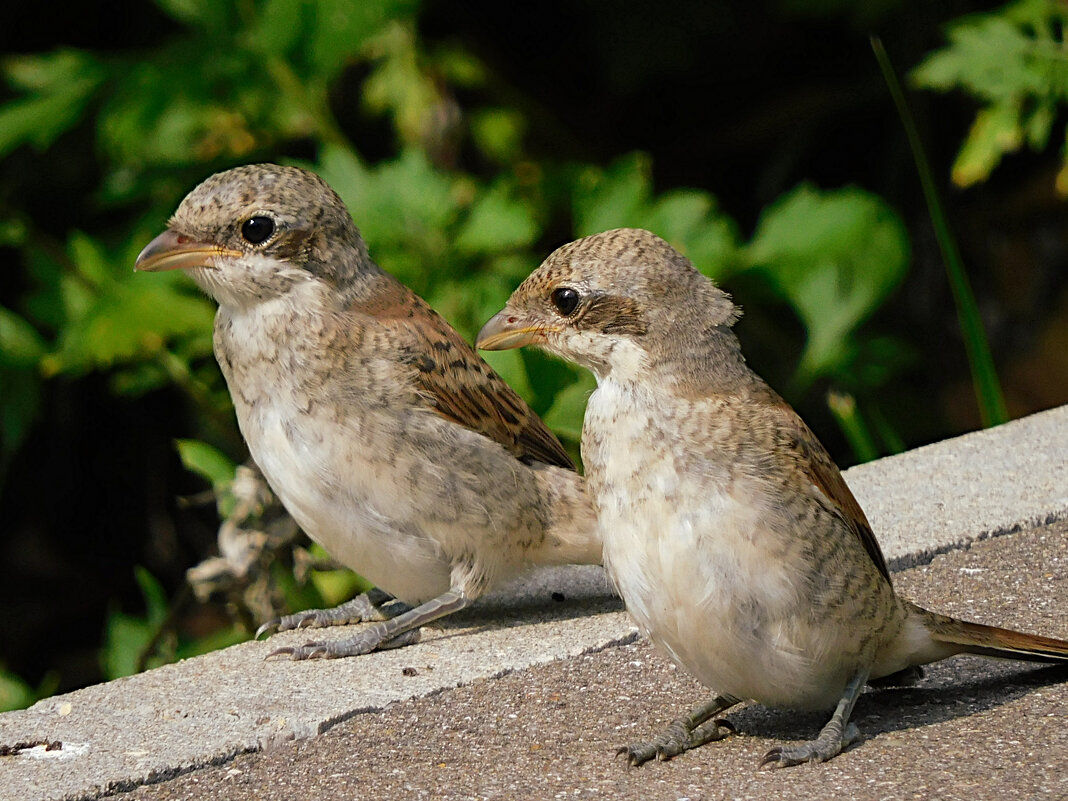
(172, 251)
(505, 331)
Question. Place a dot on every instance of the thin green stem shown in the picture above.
(984, 376)
(844, 408)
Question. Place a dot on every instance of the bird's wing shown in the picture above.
(818, 467)
(455, 380)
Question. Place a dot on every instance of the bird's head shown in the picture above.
(253, 233)
(623, 300)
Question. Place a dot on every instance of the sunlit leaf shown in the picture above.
(206, 461)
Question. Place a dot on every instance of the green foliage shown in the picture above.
(14, 692)
(127, 637)
(835, 256)
(1013, 62)
(133, 643)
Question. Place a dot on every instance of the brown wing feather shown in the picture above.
(821, 470)
(458, 384)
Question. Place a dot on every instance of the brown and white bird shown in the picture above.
(387, 438)
(727, 528)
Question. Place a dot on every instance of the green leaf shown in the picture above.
(690, 220)
(129, 320)
(208, 14)
(612, 198)
(60, 86)
(127, 636)
(622, 196)
(1013, 61)
(20, 344)
(206, 461)
(497, 221)
(14, 692)
(281, 24)
(995, 132)
(19, 408)
(341, 28)
(835, 256)
(498, 132)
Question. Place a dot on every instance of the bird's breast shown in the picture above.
(691, 550)
(334, 461)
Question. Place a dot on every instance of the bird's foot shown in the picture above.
(680, 735)
(828, 745)
(838, 734)
(368, 640)
(373, 605)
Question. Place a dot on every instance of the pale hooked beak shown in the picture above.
(505, 331)
(172, 251)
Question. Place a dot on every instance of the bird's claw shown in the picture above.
(819, 750)
(309, 650)
(269, 627)
(678, 737)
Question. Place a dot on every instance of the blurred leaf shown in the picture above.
(20, 403)
(622, 196)
(566, 414)
(280, 26)
(338, 586)
(21, 347)
(835, 256)
(497, 221)
(222, 638)
(20, 344)
(208, 14)
(343, 27)
(206, 461)
(995, 132)
(1013, 60)
(164, 112)
(404, 208)
(127, 636)
(60, 86)
(843, 407)
(612, 198)
(498, 133)
(14, 692)
(127, 321)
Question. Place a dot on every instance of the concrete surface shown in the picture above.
(463, 715)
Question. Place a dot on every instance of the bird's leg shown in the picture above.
(836, 735)
(392, 633)
(375, 604)
(700, 726)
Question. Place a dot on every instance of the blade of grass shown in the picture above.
(844, 408)
(984, 376)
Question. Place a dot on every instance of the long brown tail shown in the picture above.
(978, 638)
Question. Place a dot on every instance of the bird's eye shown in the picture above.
(565, 299)
(257, 230)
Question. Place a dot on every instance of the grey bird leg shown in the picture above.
(391, 633)
(693, 730)
(836, 735)
(375, 604)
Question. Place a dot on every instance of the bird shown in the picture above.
(383, 433)
(728, 530)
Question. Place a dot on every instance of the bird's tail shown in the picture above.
(962, 636)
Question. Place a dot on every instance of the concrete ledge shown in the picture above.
(204, 711)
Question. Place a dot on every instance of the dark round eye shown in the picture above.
(565, 299)
(257, 230)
